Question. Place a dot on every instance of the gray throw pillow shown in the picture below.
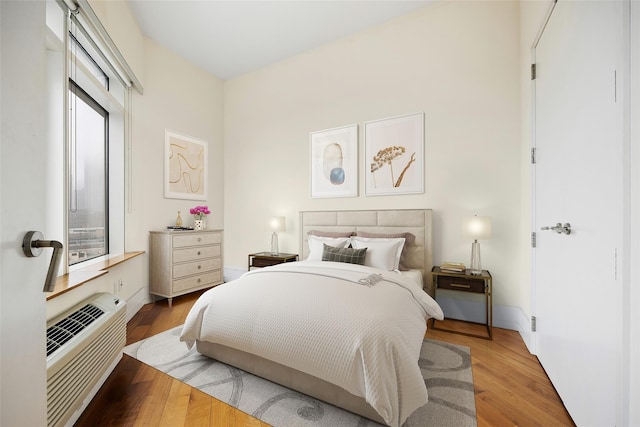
(348, 255)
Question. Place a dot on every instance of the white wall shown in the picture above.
(22, 198)
(458, 62)
(184, 98)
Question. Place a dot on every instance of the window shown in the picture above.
(88, 219)
(89, 106)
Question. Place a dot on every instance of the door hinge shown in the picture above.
(533, 155)
(533, 323)
(533, 71)
(533, 239)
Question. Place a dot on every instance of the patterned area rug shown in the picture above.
(446, 369)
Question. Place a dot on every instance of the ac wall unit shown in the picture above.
(84, 344)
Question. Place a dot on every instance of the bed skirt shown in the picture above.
(290, 378)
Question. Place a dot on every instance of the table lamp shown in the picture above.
(477, 228)
(276, 224)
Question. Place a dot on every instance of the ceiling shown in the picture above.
(233, 37)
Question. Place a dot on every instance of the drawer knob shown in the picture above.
(198, 252)
(199, 280)
(199, 267)
(199, 239)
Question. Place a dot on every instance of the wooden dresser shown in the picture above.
(184, 261)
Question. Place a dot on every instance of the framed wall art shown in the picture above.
(334, 162)
(394, 155)
(185, 167)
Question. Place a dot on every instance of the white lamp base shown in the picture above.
(476, 266)
(274, 243)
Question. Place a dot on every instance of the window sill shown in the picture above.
(78, 278)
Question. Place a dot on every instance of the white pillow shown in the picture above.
(316, 245)
(383, 253)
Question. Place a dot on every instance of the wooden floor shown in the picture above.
(511, 387)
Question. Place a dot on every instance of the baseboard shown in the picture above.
(504, 316)
(525, 332)
(461, 309)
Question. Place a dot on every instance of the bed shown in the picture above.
(286, 323)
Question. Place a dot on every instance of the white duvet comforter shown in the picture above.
(354, 326)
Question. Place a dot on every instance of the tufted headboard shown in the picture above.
(418, 256)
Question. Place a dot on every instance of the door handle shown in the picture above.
(32, 245)
(559, 228)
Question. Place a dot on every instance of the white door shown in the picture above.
(578, 180)
(22, 200)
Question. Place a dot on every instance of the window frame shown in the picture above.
(75, 89)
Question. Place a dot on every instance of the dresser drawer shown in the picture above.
(191, 268)
(461, 284)
(196, 239)
(191, 254)
(198, 281)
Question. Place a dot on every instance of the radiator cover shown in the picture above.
(82, 345)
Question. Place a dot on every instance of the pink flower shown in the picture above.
(199, 211)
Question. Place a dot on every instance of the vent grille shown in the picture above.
(69, 327)
(83, 346)
(67, 388)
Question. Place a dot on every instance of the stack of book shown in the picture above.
(453, 267)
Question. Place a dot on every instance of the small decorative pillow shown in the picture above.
(381, 253)
(316, 248)
(348, 255)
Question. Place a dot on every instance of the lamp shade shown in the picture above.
(477, 227)
(277, 224)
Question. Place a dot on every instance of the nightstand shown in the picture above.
(466, 282)
(265, 259)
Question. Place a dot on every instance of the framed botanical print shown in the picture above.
(394, 155)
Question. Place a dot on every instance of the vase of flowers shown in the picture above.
(199, 214)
